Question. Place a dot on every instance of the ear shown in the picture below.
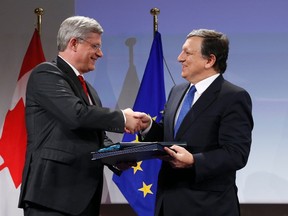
(210, 61)
(73, 43)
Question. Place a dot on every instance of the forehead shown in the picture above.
(94, 36)
(193, 43)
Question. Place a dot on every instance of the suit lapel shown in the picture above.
(94, 96)
(66, 69)
(76, 86)
(174, 103)
(206, 99)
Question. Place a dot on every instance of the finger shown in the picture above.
(142, 115)
(177, 148)
(170, 151)
(137, 115)
(127, 130)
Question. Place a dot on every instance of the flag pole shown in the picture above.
(155, 12)
(39, 12)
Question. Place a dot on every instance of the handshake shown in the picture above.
(136, 121)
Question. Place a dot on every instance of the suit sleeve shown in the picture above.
(234, 140)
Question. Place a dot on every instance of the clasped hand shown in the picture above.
(136, 121)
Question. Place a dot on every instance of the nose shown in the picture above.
(180, 57)
(99, 53)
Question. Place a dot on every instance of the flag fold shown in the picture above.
(139, 184)
(14, 136)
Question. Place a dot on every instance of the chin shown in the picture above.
(183, 75)
(91, 68)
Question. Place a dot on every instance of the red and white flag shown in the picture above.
(13, 138)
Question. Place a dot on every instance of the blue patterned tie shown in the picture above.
(186, 106)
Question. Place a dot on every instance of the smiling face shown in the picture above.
(83, 53)
(195, 66)
(87, 52)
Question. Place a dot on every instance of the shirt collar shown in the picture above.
(204, 84)
(73, 68)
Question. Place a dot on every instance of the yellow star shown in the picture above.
(136, 139)
(146, 189)
(137, 167)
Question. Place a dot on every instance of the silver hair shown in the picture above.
(78, 27)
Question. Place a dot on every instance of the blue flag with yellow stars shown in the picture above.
(139, 184)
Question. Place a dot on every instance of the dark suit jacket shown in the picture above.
(63, 129)
(218, 133)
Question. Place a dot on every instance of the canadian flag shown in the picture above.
(13, 138)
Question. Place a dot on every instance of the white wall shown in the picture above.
(18, 21)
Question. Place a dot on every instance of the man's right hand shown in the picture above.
(132, 124)
(136, 121)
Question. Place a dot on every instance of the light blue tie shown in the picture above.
(186, 106)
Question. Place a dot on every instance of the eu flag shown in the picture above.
(139, 184)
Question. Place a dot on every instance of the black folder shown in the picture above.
(132, 152)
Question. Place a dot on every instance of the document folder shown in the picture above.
(132, 152)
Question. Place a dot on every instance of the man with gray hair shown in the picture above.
(65, 123)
